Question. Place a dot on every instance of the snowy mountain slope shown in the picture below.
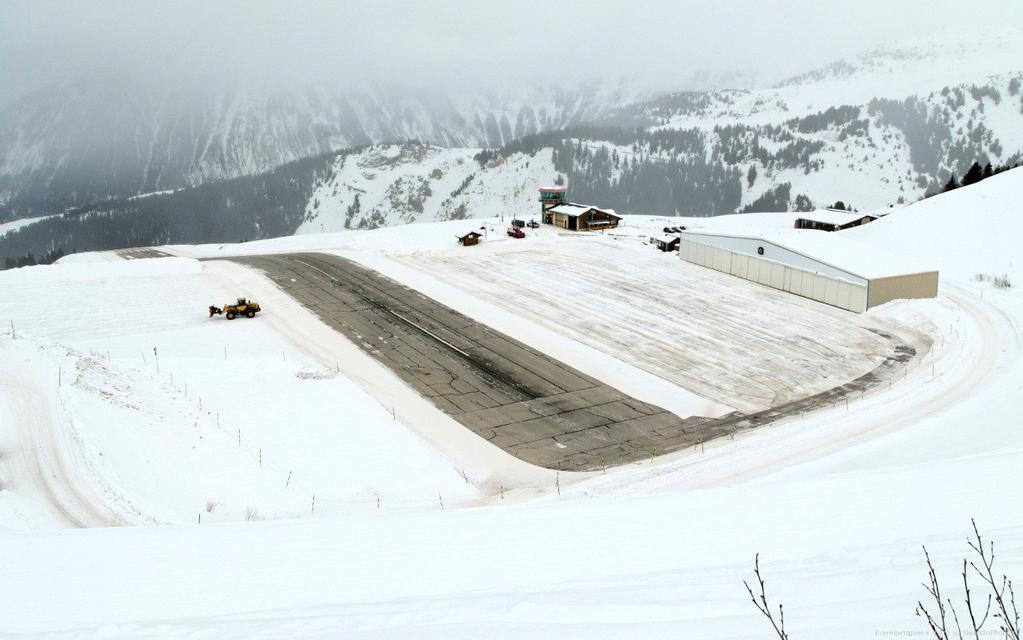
(917, 64)
(837, 502)
(75, 144)
(877, 131)
(968, 231)
(874, 153)
(399, 184)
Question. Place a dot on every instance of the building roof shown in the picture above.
(837, 218)
(553, 189)
(667, 239)
(833, 249)
(471, 233)
(573, 209)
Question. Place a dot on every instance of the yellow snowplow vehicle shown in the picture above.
(242, 307)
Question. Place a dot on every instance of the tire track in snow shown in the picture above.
(40, 466)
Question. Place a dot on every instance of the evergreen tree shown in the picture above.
(751, 176)
(951, 184)
(974, 175)
(988, 171)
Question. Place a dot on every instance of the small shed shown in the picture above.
(666, 243)
(827, 267)
(469, 239)
(832, 220)
(581, 217)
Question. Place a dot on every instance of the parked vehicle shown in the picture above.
(518, 224)
(533, 224)
(515, 232)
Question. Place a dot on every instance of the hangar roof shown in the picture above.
(830, 248)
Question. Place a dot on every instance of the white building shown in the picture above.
(826, 267)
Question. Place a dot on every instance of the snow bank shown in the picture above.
(84, 267)
(971, 230)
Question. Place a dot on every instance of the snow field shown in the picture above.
(167, 441)
(837, 502)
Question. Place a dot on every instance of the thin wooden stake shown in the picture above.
(557, 482)
(313, 510)
(288, 481)
(261, 456)
(441, 500)
(239, 437)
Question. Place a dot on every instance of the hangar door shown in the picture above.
(838, 293)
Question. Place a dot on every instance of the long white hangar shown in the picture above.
(826, 267)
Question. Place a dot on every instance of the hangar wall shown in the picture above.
(750, 246)
(842, 293)
(916, 285)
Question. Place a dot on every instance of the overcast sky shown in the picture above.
(472, 43)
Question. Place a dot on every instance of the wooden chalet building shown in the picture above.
(831, 220)
(556, 210)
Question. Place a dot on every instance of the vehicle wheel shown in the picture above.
(230, 315)
(250, 314)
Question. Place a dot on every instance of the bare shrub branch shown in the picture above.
(1001, 595)
(760, 602)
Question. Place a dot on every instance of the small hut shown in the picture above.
(469, 239)
(666, 243)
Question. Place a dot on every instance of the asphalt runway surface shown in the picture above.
(527, 403)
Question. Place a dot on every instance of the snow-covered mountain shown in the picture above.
(74, 144)
(880, 130)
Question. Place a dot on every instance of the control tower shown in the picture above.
(551, 197)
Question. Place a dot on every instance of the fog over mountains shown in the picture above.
(878, 129)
